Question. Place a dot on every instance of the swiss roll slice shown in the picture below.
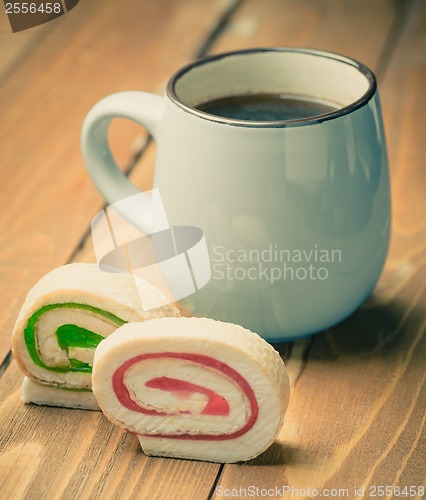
(192, 388)
(64, 317)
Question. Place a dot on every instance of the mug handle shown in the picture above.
(141, 107)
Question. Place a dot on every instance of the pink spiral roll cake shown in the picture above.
(192, 388)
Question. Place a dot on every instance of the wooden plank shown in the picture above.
(47, 198)
(356, 416)
(404, 108)
(314, 442)
(15, 46)
(349, 27)
(357, 411)
(60, 453)
(40, 453)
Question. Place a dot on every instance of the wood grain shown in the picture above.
(47, 197)
(357, 410)
(351, 28)
(14, 47)
(347, 425)
(42, 453)
(61, 453)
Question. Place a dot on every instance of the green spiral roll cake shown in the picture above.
(63, 319)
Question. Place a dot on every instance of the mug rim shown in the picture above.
(311, 120)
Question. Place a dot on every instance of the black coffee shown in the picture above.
(265, 107)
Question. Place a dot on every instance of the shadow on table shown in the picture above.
(278, 454)
(375, 329)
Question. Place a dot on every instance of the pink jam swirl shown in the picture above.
(216, 405)
(123, 394)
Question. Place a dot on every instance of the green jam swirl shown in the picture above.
(68, 336)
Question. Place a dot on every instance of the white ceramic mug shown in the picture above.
(296, 213)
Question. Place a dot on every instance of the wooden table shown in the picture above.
(357, 412)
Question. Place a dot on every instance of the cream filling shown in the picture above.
(50, 351)
(172, 403)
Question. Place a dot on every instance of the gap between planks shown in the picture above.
(401, 18)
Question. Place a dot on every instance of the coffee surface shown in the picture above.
(265, 107)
